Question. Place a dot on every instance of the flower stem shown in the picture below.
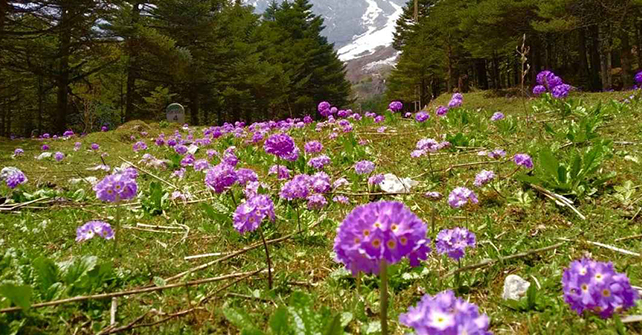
(267, 258)
(497, 191)
(383, 300)
(432, 174)
(433, 215)
(233, 199)
(298, 216)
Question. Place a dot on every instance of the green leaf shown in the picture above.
(334, 327)
(19, 295)
(238, 318)
(77, 268)
(548, 162)
(279, 321)
(46, 272)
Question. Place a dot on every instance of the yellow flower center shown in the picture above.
(391, 244)
(403, 240)
(376, 243)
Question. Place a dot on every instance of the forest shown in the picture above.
(81, 64)
(451, 45)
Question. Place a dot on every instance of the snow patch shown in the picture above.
(367, 43)
(377, 64)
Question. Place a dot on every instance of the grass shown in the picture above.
(518, 220)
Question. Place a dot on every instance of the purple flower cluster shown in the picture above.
(95, 146)
(18, 152)
(454, 242)
(442, 111)
(138, 146)
(523, 160)
(246, 175)
(445, 314)
(422, 116)
(249, 215)
(316, 202)
(319, 162)
(320, 182)
(313, 147)
(364, 167)
(297, 188)
(376, 179)
(456, 100)
(395, 106)
(433, 195)
(117, 187)
(638, 78)
(497, 116)
(461, 196)
(94, 228)
(597, 288)
(13, 177)
(384, 230)
(324, 109)
(548, 81)
(282, 146)
(59, 156)
(483, 178)
(221, 177)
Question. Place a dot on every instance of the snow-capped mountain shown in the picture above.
(356, 27)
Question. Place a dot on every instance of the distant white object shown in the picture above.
(91, 180)
(175, 113)
(515, 287)
(44, 155)
(394, 184)
(192, 149)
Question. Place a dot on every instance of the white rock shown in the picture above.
(192, 149)
(515, 287)
(394, 184)
(44, 155)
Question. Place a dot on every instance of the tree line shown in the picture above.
(82, 63)
(456, 45)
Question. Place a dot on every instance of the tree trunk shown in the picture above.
(626, 58)
(496, 78)
(63, 71)
(638, 31)
(449, 83)
(131, 66)
(482, 78)
(584, 68)
(194, 106)
(596, 83)
(605, 59)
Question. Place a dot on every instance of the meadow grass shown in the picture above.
(509, 219)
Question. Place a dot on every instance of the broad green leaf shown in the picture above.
(20, 295)
(77, 268)
(334, 326)
(549, 163)
(279, 321)
(46, 272)
(238, 318)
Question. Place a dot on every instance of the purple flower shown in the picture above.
(379, 118)
(281, 171)
(319, 162)
(313, 147)
(18, 152)
(180, 173)
(104, 128)
(376, 179)
(117, 187)
(638, 78)
(340, 182)
(441, 111)
(539, 90)
(249, 215)
(460, 196)
(597, 288)
(364, 167)
(13, 177)
(456, 101)
(316, 202)
(180, 149)
(523, 160)
(68, 133)
(94, 228)
(77, 146)
(201, 164)
(382, 129)
(342, 199)
(44, 147)
(497, 116)
(140, 145)
(561, 91)
(95, 147)
(427, 144)
(407, 115)
(297, 188)
(280, 145)
(454, 242)
(445, 314)
(422, 116)
(307, 119)
(229, 156)
(384, 230)
(395, 106)
(497, 154)
(188, 160)
(246, 175)
(220, 178)
(59, 156)
(484, 178)
(320, 182)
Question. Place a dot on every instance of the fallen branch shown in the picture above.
(153, 230)
(130, 292)
(149, 173)
(559, 199)
(22, 204)
(606, 246)
(489, 262)
(240, 252)
(628, 238)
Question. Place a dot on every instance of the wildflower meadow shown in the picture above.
(342, 222)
